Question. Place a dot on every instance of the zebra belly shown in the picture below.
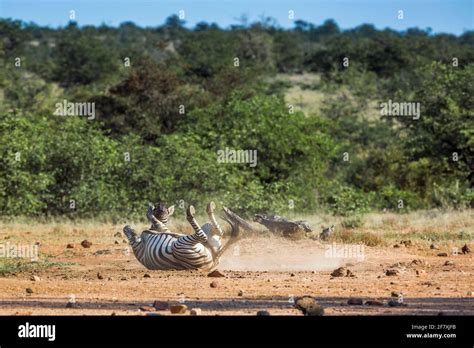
(161, 253)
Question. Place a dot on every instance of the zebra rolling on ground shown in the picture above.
(160, 249)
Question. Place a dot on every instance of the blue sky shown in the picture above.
(450, 16)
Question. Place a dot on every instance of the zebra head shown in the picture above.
(162, 212)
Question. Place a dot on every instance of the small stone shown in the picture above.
(420, 272)
(147, 309)
(118, 235)
(315, 311)
(35, 278)
(355, 302)
(123, 278)
(70, 246)
(396, 303)
(216, 274)
(392, 272)
(395, 294)
(263, 313)
(100, 276)
(442, 254)
(241, 293)
(465, 249)
(195, 311)
(213, 284)
(103, 252)
(396, 246)
(349, 273)
(178, 309)
(434, 247)
(116, 242)
(449, 263)
(161, 305)
(146, 275)
(86, 244)
(373, 303)
(29, 290)
(292, 275)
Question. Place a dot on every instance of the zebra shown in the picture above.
(160, 249)
(327, 232)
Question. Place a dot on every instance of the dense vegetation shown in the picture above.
(168, 98)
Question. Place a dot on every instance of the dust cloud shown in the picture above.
(279, 254)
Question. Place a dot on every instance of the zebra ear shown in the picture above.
(171, 210)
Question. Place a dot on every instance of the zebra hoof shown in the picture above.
(190, 212)
(211, 207)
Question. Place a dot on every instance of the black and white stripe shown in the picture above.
(159, 249)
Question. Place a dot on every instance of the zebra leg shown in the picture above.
(210, 212)
(131, 235)
(138, 246)
(199, 234)
(155, 223)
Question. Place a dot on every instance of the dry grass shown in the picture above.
(376, 228)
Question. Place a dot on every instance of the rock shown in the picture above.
(70, 246)
(161, 305)
(178, 309)
(213, 284)
(470, 293)
(146, 275)
(465, 249)
(100, 276)
(373, 303)
(434, 247)
(309, 306)
(417, 262)
(315, 311)
(116, 242)
(147, 309)
(241, 293)
(123, 278)
(113, 314)
(396, 303)
(86, 244)
(195, 311)
(396, 246)
(29, 290)
(392, 272)
(340, 272)
(118, 235)
(263, 313)
(355, 302)
(420, 272)
(395, 294)
(449, 263)
(292, 275)
(442, 254)
(302, 303)
(216, 274)
(35, 278)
